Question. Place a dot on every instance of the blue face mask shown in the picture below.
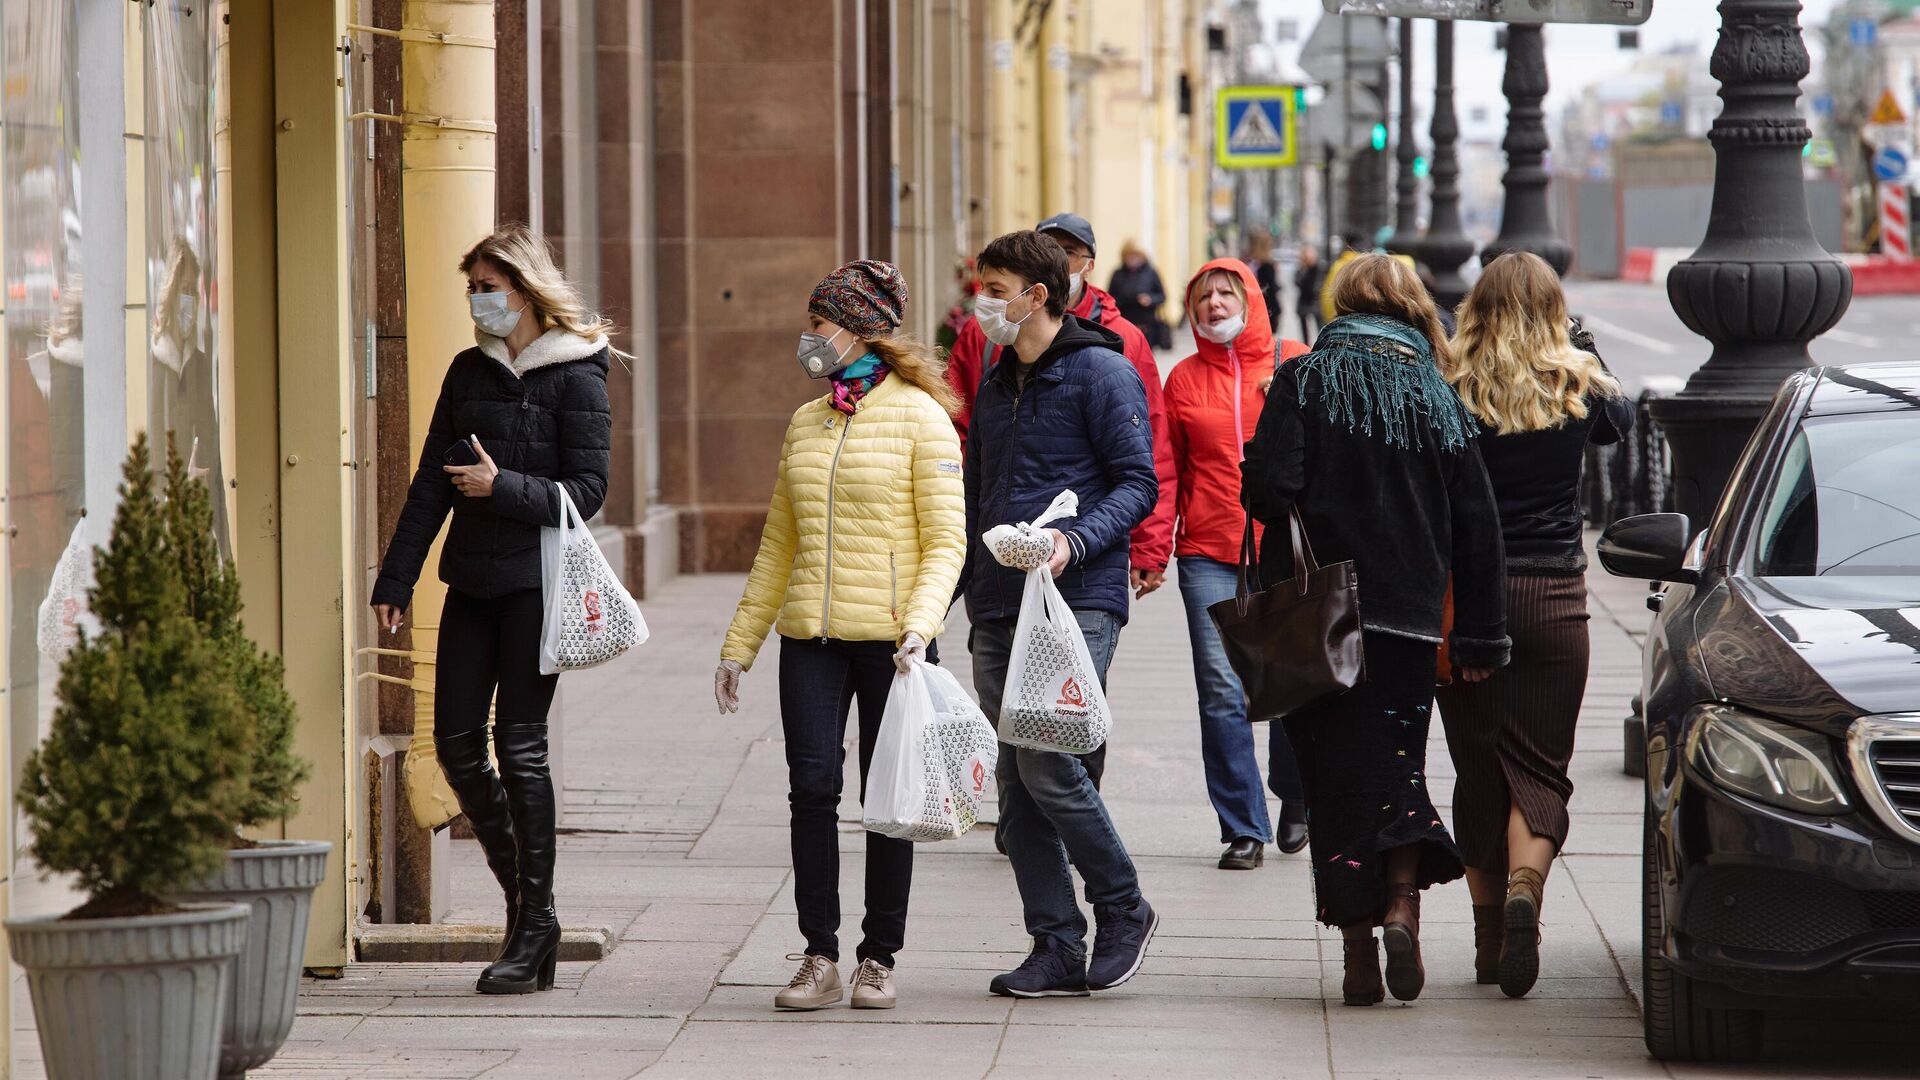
(491, 313)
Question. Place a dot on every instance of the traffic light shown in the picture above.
(1420, 166)
(1379, 136)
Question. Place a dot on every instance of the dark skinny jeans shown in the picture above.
(819, 682)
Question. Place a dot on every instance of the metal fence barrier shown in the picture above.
(1634, 475)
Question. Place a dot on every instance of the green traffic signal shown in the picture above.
(1420, 166)
(1379, 136)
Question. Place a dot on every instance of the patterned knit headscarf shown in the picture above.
(866, 297)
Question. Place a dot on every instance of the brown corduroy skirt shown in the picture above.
(1511, 736)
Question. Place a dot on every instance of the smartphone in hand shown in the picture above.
(463, 452)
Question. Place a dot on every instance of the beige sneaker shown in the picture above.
(873, 986)
(815, 986)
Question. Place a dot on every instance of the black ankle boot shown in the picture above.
(527, 962)
(1291, 836)
(483, 799)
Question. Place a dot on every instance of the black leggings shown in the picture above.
(486, 644)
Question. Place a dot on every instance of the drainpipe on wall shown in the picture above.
(447, 202)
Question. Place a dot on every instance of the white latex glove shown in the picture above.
(913, 647)
(726, 686)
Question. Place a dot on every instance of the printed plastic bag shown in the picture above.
(931, 760)
(591, 618)
(1053, 700)
(63, 612)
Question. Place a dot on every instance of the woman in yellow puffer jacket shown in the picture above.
(857, 566)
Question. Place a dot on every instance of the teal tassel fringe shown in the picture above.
(1377, 377)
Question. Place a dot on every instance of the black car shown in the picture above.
(1781, 689)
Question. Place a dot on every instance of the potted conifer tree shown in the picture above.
(274, 878)
(133, 792)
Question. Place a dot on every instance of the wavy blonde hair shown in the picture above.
(918, 363)
(1383, 285)
(524, 256)
(1515, 368)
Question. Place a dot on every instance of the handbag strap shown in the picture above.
(1303, 561)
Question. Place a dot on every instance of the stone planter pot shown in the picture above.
(276, 882)
(131, 999)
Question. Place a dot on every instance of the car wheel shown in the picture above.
(1678, 1027)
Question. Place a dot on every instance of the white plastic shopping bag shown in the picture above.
(63, 612)
(591, 618)
(931, 760)
(1053, 700)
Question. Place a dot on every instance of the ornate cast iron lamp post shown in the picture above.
(1760, 287)
(1446, 245)
(1525, 224)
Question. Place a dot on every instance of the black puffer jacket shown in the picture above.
(542, 418)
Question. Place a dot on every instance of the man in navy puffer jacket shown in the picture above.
(1062, 410)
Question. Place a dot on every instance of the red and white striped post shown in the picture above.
(1896, 226)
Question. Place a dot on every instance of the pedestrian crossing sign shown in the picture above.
(1254, 127)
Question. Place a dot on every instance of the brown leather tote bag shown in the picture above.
(1298, 643)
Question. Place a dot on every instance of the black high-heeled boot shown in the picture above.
(527, 962)
(483, 800)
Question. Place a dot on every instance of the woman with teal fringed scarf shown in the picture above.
(1365, 435)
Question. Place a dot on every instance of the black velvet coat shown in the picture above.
(1409, 518)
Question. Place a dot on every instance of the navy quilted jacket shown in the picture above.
(544, 418)
(1079, 422)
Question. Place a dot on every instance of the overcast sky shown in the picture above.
(1576, 55)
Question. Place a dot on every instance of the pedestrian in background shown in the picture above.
(1063, 410)
(1366, 438)
(1260, 261)
(1307, 279)
(1137, 291)
(521, 412)
(974, 358)
(1540, 396)
(856, 569)
(1214, 398)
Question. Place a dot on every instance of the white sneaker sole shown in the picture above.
(1029, 994)
(1139, 958)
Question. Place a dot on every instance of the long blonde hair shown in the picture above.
(919, 364)
(1515, 368)
(1383, 285)
(524, 256)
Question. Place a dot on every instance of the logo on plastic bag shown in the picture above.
(1072, 698)
(979, 776)
(591, 601)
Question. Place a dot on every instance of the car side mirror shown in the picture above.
(1652, 547)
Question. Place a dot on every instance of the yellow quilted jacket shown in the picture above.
(867, 530)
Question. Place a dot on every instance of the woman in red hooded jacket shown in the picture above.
(1213, 400)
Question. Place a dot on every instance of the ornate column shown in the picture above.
(1406, 216)
(1525, 224)
(1760, 287)
(1446, 245)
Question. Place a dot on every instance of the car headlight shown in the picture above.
(1766, 760)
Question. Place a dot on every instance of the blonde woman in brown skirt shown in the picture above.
(1536, 384)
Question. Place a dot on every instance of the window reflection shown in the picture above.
(182, 390)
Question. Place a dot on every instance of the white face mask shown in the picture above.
(992, 316)
(491, 313)
(1224, 331)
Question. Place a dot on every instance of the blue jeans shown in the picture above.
(1049, 808)
(1226, 739)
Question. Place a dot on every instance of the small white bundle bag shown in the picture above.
(931, 761)
(63, 613)
(591, 618)
(1053, 700)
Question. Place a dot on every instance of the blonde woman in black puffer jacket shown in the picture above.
(524, 409)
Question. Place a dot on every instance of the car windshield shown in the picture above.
(1846, 500)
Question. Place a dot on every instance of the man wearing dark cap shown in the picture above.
(973, 356)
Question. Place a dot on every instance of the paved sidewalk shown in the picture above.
(676, 836)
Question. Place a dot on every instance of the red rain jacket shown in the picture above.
(1213, 404)
(973, 356)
